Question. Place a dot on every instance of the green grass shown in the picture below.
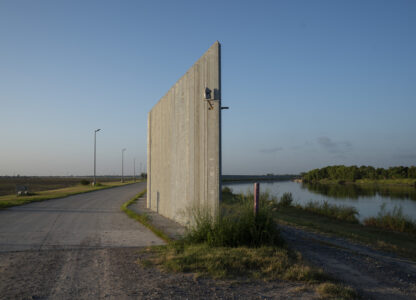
(238, 243)
(394, 221)
(403, 244)
(13, 200)
(339, 212)
(265, 263)
(236, 226)
(330, 290)
(143, 218)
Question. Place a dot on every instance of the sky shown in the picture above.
(308, 83)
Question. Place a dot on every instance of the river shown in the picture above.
(368, 200)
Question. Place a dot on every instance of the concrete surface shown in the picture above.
(171, 228)
(184, 143)
(90, 220)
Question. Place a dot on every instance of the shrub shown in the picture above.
(394, 220)
(340, 212)
(85, 182)
(286, 200)
(240, 227)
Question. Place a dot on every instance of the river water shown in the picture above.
(368, 200)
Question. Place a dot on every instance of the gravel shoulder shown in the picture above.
(114, 274)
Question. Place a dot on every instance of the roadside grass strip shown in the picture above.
(14, 200)
(143, 218)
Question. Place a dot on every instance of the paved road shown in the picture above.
(91, 220)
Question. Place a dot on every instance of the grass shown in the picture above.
(339, 212)
(394, 221)
(143, 218)
(265, 263)
(400, 243)
(237, 244)
(13, 200)
(329, 290)
(37, 184)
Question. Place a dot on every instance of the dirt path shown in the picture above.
(375, 274)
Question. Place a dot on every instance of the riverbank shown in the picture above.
(401, 243)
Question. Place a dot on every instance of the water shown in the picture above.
(366, 199)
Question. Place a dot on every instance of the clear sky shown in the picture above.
(309, 83)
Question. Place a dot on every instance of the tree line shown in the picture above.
(353, 173)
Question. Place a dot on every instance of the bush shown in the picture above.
(340, 212)
(85, 182)
(394, 220)
(286, 200)
(240, 227)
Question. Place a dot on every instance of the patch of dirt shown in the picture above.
(113, 273)
(374, 274)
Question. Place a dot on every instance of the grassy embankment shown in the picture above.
(13, 200)
(239, 244)
(391, 231)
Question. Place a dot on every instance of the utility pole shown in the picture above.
(134, 170)
(95, 151)
(122, 164)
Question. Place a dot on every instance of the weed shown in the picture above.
(286, 200)
(394, 220)
(85, 182)
(330, 290)
(236, 227)
(224, 262)
(340, 212)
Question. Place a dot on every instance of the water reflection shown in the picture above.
(366, 199)
(353, 191)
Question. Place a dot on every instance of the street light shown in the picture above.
(122, 164)
(95, 151)
(134, 170)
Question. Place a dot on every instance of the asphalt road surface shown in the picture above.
(90, 220)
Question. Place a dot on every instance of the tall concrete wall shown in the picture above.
(184, 143)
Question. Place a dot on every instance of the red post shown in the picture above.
(256, 197)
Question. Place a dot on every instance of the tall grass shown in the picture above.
(237, 226)
(340, 212)
(394, 220)
(237, 243)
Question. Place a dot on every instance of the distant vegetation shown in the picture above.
(251, 178)
(35, 184)
(394, 221)
(353, 173)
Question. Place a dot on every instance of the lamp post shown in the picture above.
(134, 170)
(95, 152)
(122, 164)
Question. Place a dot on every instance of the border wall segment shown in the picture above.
(184, 143)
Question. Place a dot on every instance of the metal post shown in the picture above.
(95, 151)
(122, 164)
(134, 170)
(256, 197)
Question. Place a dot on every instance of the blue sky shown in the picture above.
(309, 83)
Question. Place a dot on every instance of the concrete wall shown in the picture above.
(184, 143)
